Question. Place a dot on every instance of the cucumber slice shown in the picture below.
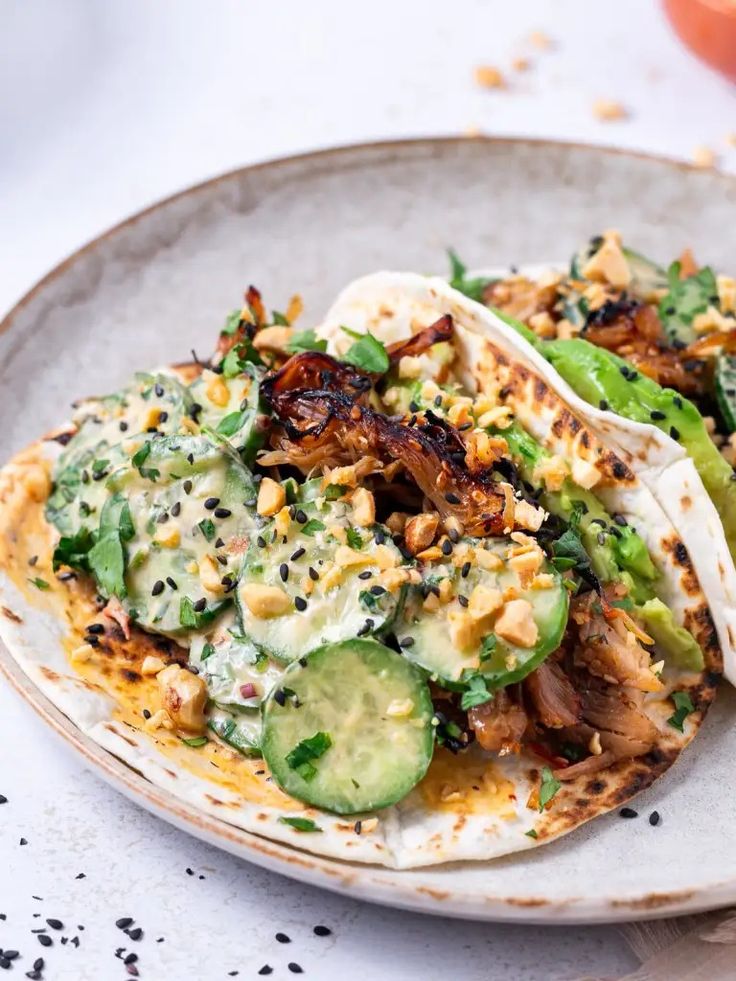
(237, 419)
(332, 602)
(241, 730)
(352, 696)
(647, 278)
(426, 637)
(725, 385)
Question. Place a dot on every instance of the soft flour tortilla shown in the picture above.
(468, 807)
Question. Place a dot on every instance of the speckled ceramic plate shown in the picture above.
(157, 285)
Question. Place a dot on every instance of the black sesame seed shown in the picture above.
(222, 559)
(358, 827)
(603, 405)
(44, 940)
(266, 969)
(283, 938)
(654, 818)
(176, 509)
(135, 934)
(158, 389)
(200, 605)
(414, 406)
(54, 924)
(190, 458)
(366, 628)
(406, 642)
(365, 575)
(85, 477)
(280, 698)
(4, 962)
(95, 628)
(463, 600)
(464, 572)
(657, 415)
(123, 922)
(222, 512)
(301, 517)
(261, 542)
(284, 571)
(158, 588)
(300, 603)
(322, 931)
(146, 713)
(313, 574)
(447, 547)
(163, 416)
(452, 498)
(297, 554)
(219, 543)
(677, 401)
(10, 955)
(438, 401)
(123, 427)
(601, 538)
(379, 538)
(171, 582)
(620, 520)
(377, 590)
(162, 518)
(38, 964)
(674, 432)
(295, 968)
(454, 535)
(211, 503)
(628, 812)
(187, 485)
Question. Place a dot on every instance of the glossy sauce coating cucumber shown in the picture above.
(372, 711)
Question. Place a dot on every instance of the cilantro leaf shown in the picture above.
(531, 834)
(312, 527)
(685, 299)
(195, 741)
(300, 824)
(476, 694)
(683, 708)
(196, 619)
(305, 340)
(232, 322)
(472, 288)
(301, 756)
(207, 651)
(72, 550)
(231, 423)
(207, 527)
(39, 583)
(367, 353)
(568, 552)
(548, 788)
(354, 538)
(487, 647)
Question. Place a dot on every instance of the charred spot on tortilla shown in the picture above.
(8, 614)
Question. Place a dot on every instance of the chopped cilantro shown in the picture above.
(487, 646)
(39, 583)
(207, 527)
(548, 787)
(354, 538)
(196, 619)
(207, 651)
(472, 288)
(280, 319)
(72, 550)
(301, 756)
(232, 322)
(531, 834)
(367, 353)
(300, 824)
(476, 694)
(99, 465)
(195, 741)
(312, 527)
(683, 708)
(231, 423)
(305, 340)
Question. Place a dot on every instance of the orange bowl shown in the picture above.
(708, 28)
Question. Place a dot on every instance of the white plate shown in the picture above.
(159, 283)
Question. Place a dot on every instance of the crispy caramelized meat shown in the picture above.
(552, 696)
(499, 724)
(521, 297)
(314, 371)
(436, 333)
(255, 317)
(616, 714)
(591, 764)
(327, 428)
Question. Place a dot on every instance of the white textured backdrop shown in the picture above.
(104, 107)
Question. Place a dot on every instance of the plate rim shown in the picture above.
(356, 881)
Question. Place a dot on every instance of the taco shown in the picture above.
(374, 589)
(655, 348)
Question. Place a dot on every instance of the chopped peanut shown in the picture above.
(516, 624)
(215, 388)
(552, 470)
(609, 264)
(82, 653)
(210, 576)
(159, 720)
(420, 530)
(704, 157)
(364, 507)
(168, 536)
(488, 77)
(273, 339)
(282, 522)
(463, 630)
(484, 601)
(265, 601)
(271, 497)
(396, 522)
(488, 560)
(542, 324)
(184, 696)
(529, 517)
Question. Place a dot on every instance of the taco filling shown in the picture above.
(362, 556)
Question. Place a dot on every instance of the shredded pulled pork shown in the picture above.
(423, 340)
(325, 428)
(552, 696)
(499, 724)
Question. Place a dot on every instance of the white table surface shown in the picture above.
(104, 108)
